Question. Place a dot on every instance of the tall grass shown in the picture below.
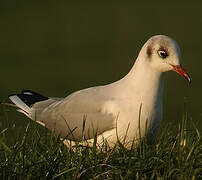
(175, 154)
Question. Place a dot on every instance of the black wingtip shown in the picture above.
(29, 97)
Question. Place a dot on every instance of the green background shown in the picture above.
(57, 47)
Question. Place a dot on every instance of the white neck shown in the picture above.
(143, 82)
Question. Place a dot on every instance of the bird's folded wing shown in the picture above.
(83, 113)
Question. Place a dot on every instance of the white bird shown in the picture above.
(125, 110)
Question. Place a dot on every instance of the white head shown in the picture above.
(163, 54)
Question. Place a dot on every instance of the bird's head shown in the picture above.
(163, 54)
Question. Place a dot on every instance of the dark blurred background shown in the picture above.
(57, 47)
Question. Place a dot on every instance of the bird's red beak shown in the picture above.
(181, 71)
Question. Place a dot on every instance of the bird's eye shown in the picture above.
(162, 54)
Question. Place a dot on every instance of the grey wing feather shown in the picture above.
(77, 115)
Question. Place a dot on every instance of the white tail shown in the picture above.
(26, 100)
(19, 103)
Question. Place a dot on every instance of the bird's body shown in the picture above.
(123, 110)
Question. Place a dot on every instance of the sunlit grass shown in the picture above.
(175, 154)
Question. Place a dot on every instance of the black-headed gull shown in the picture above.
(124, 110)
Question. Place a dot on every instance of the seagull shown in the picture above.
(124, 111)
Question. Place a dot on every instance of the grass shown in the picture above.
(175, 154)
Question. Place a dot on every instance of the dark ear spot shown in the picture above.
(149, 51)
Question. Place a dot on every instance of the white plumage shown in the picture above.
(124, 109)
